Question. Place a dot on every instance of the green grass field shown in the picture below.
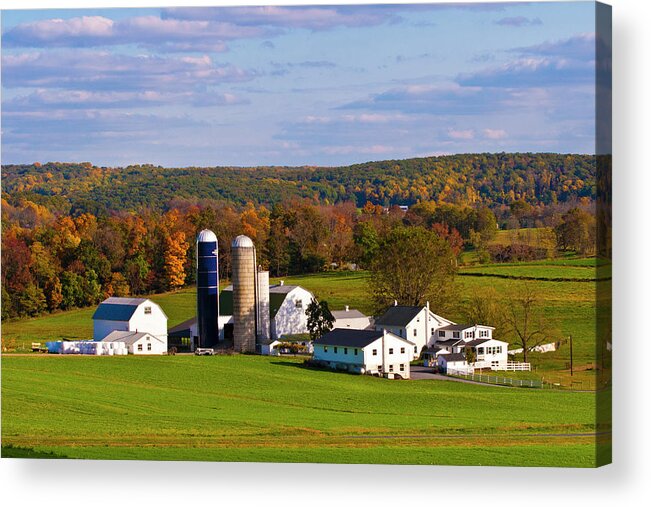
(253, 408)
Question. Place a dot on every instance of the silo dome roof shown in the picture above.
(207, 236)
(242, 241)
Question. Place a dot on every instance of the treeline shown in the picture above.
(53, 261)
(492, 180)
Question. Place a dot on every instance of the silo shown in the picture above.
(264, 332)
(207, 289)
(244, 294)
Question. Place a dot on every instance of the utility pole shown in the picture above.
(571, 359)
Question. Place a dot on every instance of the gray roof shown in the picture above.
(451, 358)
(182, 329)
(398, 316)
(128, 337)
(449, 343)
(281, 289)
(479, 341)
(350, 314)
(352, 337)
(120, 309)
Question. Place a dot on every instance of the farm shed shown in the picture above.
(138, 343)
(129, 314)
(455, 362)
(351, 319)
(373, 352)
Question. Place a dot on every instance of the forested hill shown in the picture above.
(489, 179)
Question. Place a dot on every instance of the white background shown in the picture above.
(103, 483)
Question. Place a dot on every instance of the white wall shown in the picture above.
(486, 359)
(158, 346)
(289, 319)
(154, 323)
(422, 330)
(403, 353)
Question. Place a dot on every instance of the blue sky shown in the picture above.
(316, 85)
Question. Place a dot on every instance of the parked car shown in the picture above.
(204, 352)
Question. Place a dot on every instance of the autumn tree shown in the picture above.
(577, 231)
(412, 266)
(174, 260)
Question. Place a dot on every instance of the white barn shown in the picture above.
(138, 343)
(456, 362)
(373, 352)
(350, 319)
(287, 309)
(129, 314)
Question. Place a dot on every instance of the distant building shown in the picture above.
(129, 314)
(372, 352)
(138, 343)
(414, 323)
(351, 319)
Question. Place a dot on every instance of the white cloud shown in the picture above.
(461, 134)
(495, 134)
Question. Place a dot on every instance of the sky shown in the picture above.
(307, 85)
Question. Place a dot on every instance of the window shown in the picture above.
(325, 349)
(375, 352)
(147, 310)
(441, 333)
(499, 350)
(335, 350)
(149, 346)
(140, 346)
(433, 329)
(415, 332)
(390, 351)
(469, 334)
(299, 303)
(355, 351)
(415, 349)
(402, 350)
(483, 333)
(346, 350)
(390, 367)
(455, 334)
(480, 350)
(402, 367)
(400, 332)
(495, 364)
(379, 368)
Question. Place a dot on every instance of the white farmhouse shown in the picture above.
(287, 310)
(489, 353)
(350, 319)
(372, 352)
(138, 343)
(414, 323)
(129, 314)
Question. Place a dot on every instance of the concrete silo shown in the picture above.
(207, 289)
(264, 330)
(244, 294)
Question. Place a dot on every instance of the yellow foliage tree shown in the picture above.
(176, 248)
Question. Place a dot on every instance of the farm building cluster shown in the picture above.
(252, 316)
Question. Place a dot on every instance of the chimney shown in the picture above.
(427, 305)
(347, 307)
(282, 282)
(395, 302)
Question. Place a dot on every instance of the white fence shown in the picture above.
(494, 379)
(517, 366)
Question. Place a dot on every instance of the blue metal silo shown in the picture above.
(207, 289)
